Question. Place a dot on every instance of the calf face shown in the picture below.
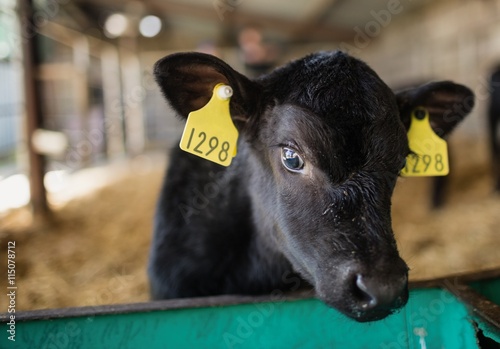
(322, 141)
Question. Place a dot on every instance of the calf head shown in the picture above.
(325, 140)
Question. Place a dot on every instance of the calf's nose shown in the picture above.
(373, 294)
(366, 293)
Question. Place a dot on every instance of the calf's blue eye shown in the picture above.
(291, 160)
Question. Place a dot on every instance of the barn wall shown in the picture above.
(451, 39)
(448, 39)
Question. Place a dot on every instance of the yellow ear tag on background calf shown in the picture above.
(210, 132)
(430, 152)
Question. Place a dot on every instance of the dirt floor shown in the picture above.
(94, 249)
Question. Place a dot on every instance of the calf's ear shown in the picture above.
(187, 81)
(447, 103)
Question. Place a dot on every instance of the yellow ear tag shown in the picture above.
(430, 152)
(210, 132)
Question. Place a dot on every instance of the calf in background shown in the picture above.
(494, 125)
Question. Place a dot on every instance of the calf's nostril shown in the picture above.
(372, 293)
(364, 295)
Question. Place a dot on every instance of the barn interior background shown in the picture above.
(84, 131)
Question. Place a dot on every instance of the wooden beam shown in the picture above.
(237, 17)
(33, 113)
(318, 32)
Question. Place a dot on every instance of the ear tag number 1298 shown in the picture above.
(429, 152)
(210, 132)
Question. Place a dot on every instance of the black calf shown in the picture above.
(322, 141)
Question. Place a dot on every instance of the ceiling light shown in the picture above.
(150, 26)
(115, 25)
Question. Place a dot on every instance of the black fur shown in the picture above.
(494, 125)
(249, 228)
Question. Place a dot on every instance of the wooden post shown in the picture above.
(133, 94)
(33, 113)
